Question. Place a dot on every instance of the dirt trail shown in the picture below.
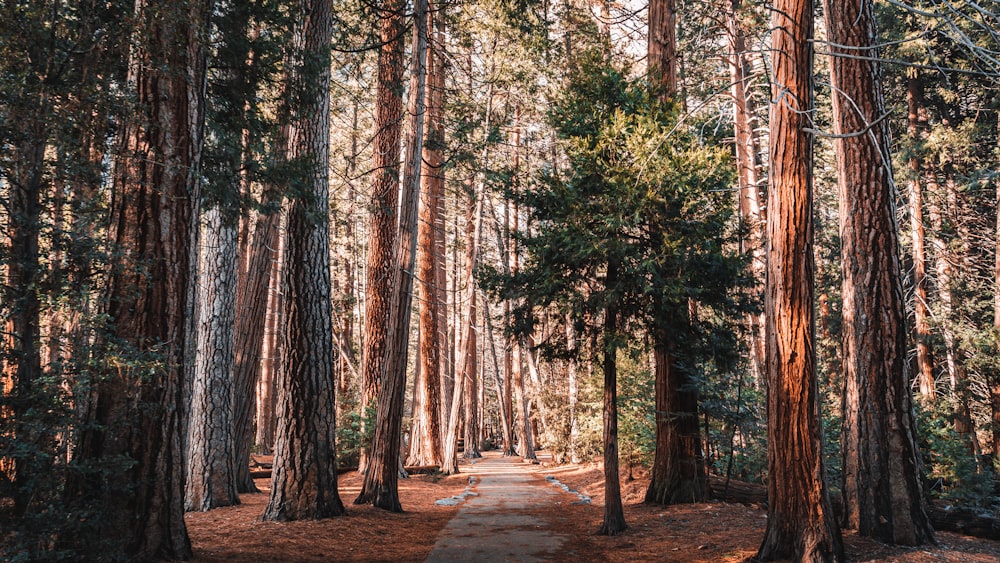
(498, 519)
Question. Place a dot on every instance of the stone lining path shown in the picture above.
(495, 522)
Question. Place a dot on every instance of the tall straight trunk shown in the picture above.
(883, 493)
(380, 486)
(614, 513)
(921, 328)
(678, 474)
(382, 245)
(464, 366)
(750, 205)
(425, 441)
(138, 416)
(800, 520)
(469, 341)
(526, 442)
(304, 478)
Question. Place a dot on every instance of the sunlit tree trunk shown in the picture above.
(380, 486)
(800, 520)
(882, 491)
(304, 478)
(382, 242)
(469, 341)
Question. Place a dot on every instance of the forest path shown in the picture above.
(497, 520)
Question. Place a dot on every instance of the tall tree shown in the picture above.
(800, 522)
(384, 207)
(137, 411)
(304, 480)
(380, 486)
(883, 496)
(425, 448)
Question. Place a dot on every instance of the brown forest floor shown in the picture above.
(706, 532)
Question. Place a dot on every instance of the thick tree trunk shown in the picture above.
(380, 486)
(678, 473)
(304, 478)
(882, 491)
(921, 328)
(382, 243)
(800, 521)
(136, 415)
(614, 513)
(211, 475)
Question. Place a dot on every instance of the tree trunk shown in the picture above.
(750, 205)
(382, 250)
(678, 473)
(469, 342)
(211, 475)
(882, 491)
(661, 45)
(425, 444)
(271, 352)
(921, 328)
(614, 513)
(800, 521)
(136, 414)
(304, 478)
(380, 486)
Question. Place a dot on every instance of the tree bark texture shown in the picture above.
(383, 208)
(380, 486)
(678, 474)
(800, 521)
(426, 439)
(661, 45)
(211, 475)
(882, 490)
(137, 413)
(921, 328)
(304, 478)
